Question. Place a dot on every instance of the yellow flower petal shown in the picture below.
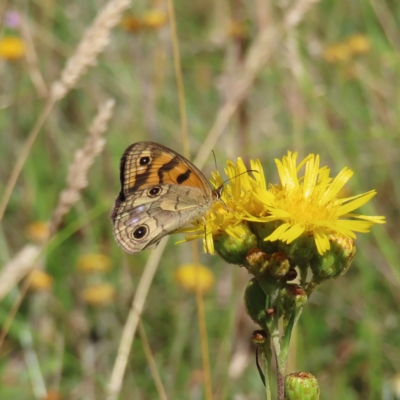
(37, 231)
(358, 44)
(299, 204)
(321, 241)
(360, 201)
(154, 19)
(40, 280)
(191, 276)
(11, 48)
(94, 263)
(98, 295)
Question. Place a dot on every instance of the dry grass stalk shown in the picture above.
(152, 364)
(84, 158)
(32, 60)
(132, 321)
(296, 13)
(257, 56)
(25, 260)
(93, 43)
(241, 81)
(17, 268)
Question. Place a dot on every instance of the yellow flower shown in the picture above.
(238, 30)
(310, 203)
(358, 44)
(189, 276)
(37, 231)
(154, 19)
(94, 263)
(343, 51)
(11, 48)
(131, 23)
(40, 280)
(99, 294)
(237, 203)
(337, 53)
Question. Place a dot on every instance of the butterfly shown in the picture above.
(161, 192)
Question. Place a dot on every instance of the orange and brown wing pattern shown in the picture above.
(146, 163)
(161, 191)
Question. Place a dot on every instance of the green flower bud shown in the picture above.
(334, 262)
(234, 250)
(263, 265)
(262, 230)
(292, 297)
(254, 300)
(300, 251)
(301, 386)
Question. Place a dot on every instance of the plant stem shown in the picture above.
(266, 357)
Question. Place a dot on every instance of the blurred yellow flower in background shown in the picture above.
(152, 19)
(131, 23)
(37, 231)
(337, 53)
(41, 281)
(346, 49)
(358, 44)
(99, 294)
(238, 29)
(188, 276)
(11, 48)
(94, 262)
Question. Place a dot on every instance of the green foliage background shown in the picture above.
(348, 112)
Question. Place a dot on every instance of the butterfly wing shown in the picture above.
(161, 191)
(140, 222)
(146, 163)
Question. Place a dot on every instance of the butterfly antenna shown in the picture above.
(242, 173)
(220, 188)
(215, 160)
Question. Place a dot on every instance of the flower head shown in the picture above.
(359, 44)
(12, 19)
(40, 281)
(154, 19)
(94, 263)
(308, 204)
(189, 276)
(311, 203)
(337, 53)
(236, 204)
(344, 51)
(99, 294)
(151, 20)
(11, 48)
(37, 231)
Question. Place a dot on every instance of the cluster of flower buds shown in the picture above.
(290, 237)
